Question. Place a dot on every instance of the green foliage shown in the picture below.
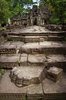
(54, 20)
(2, 71)
(21, 2)
(57, 9)
(4, 11)
(9, 8)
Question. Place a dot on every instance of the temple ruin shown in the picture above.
(34, 17)
(34, 59)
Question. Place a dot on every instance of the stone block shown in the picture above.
(54, 73)
(24, 76)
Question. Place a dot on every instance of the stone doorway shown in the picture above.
(35, 21)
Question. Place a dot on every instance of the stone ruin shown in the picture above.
(34, 17)
(35, 58)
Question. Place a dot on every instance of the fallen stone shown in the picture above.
(23, 76)
(54, 73)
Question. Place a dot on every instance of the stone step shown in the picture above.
(55, 38)
(10, 47)
(32, 60)
(43, 60)
(45, 47)
(33, 30)
(27, 39)
(22, 34)
(9, 61)
(7, 50)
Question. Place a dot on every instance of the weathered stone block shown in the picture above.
(54, 73)
(23, 76)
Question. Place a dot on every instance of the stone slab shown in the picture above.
(37, 59)
(40, 59)
(7, 48)
(44, 47)
(56, 58)
(10, 47)
(9, 61)
(9, 58)
(33, 29)
(18, 44)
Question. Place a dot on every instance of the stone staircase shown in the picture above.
(32, 48)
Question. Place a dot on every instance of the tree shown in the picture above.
(58, 10)
(45, 9)
(4, 11)
(9, 8)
